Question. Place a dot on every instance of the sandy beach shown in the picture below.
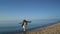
(50, 29)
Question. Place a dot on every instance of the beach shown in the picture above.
(50, 29)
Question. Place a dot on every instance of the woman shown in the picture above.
(24, 25)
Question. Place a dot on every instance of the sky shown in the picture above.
(29, 9)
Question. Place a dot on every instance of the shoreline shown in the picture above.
(39, 28)
(49, 29)
(29, 31)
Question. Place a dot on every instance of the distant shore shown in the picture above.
(53, 28)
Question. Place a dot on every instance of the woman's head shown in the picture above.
(24, 20)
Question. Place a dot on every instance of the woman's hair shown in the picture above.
(24, 21)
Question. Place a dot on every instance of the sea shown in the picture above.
(12, 27)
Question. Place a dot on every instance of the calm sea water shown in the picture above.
(14, 26)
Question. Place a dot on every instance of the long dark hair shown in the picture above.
(23, 22)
